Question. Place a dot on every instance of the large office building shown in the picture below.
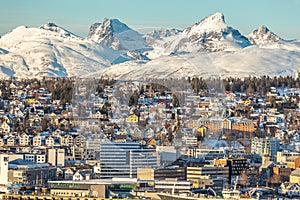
(120, 159)
(262, 145)
(30, 173)
(194, 173)
(170, 172)
(207, 154)
(236, 167)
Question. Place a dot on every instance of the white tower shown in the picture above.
(3, 169)
(297, 74)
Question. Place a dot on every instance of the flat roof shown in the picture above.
(99, 181)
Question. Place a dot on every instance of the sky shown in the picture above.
(281, 17)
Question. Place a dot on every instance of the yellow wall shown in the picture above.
(294, 179)
(221, 162)
(132, 118)
(145, 173)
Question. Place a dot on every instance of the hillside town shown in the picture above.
(102, 138)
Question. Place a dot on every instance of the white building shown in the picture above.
(190, 140)
(261, 145)
(56, 157)
(37, 141)
(3, 169)
(122, 159)
(92, 149)
(290, 190)
(41, 158)
(170, 185)
(167, 154)
(29, 157)
(24, 140)
(283, 155)
(207, 154)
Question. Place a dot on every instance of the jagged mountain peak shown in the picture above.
(50, 50)
(116, 25)
(116, 35)
(263, 35)
(212, 23)
(50, 26)
(263, 29)
(212, 34)
(216, 18)
(162, 33)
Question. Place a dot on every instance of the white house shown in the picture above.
(10, 141)
(24, 140)
(69, 174)
(5, 128)
(289, 189)
(37, 140)
(78, 176)
(49, 141)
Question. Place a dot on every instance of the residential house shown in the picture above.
(24, 140)
(289, 189)
(295, 176)
(69, 174)
(10, 141)
(293, 162)
(40, 158)
(78, 176)
(5, 128)
(49, 141)
(68, 140)
(37, 141)
(132, 118)
(80, 140)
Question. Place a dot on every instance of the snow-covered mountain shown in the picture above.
(214, 35)
(263, 35)
(117, 35)
(52, 51)
(210, 34)
(160, 35)
(207, 48)
(270, 59)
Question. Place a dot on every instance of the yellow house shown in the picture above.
(293, 162)
(31, 101)
(246, 102)
(132, 119)
(295, 176)
(202, 130)
(152, 142)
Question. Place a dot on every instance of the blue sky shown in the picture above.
(282, 17)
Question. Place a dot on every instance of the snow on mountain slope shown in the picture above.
(263, 35)
(210, 34)
(51, 51)
(160, 40)
(215, 35)
(270, 60)
(254, 60)
(117, 35)
(208, 48)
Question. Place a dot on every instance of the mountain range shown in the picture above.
(207, 48)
